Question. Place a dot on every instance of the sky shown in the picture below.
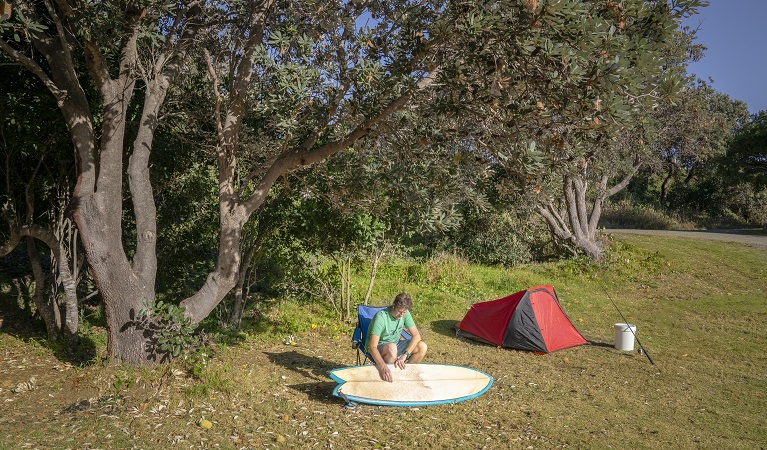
(735, 32)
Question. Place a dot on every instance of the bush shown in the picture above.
(500, 239)
(746, 205)
(447, 268)
(626, 214)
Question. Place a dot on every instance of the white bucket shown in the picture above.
(624, 336)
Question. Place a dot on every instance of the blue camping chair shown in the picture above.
(365, 314)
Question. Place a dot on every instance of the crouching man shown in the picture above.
(385, 342)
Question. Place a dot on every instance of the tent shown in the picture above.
(528, 320)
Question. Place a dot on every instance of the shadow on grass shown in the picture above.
(311, 367)
(17, 320)
(444, 327)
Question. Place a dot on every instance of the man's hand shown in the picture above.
(384, 372)
(400, 362)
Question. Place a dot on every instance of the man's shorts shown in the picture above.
(401, 346)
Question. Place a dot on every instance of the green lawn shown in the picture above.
(700, 309)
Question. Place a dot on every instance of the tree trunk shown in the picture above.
(224, 278)
(240, 293)
(49, 311)
(665, 184)
(575, 226)
(61, 261)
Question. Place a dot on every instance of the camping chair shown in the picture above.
(365, 314)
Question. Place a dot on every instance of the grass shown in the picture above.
(700, 312)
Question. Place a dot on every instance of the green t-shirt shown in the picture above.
(387, 328)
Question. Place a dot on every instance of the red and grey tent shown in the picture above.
(528, 320)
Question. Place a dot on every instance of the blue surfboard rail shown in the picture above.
(338, 390)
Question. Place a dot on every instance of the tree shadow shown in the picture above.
(444, 327)
(18, 321)
(311, 367)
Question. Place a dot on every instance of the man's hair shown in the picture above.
(402, 301)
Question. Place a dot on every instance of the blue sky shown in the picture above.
(735, 32)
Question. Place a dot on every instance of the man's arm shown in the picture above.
(383, 369)
(415, 338)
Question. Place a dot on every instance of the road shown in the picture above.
(753, 237)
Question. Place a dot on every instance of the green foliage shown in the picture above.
(292, 319)
(698, 173)
(187, 218)
(93, 342)
(446, 269)
(19, 25)
(290, 315)
(407, 270)
(496, 238)
(598, 68)
(172, 332)
(627, 214)
(748, 148)
(197, 361)
(744, 168)
(623, 262)
(123, 381)
(745, 204)
(210, 381)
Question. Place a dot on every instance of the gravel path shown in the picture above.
(755, 237)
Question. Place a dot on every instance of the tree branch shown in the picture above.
(30, 65)
(625, 181)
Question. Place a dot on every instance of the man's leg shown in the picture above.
(418, 353)
(388, 352)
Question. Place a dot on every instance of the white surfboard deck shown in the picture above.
(416, 385)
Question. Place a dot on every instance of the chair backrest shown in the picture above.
(365, 314)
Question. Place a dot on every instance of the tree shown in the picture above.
(133, 53)
(744, 170)
(599, 69)
(121, 47)
(307, 80)
(34, 182)
(690, 132)
(573, 216)
(746, 155)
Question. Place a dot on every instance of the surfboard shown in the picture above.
(417, 385)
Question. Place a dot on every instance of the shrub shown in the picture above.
(626, 214)
(447, 268)
(493, 239)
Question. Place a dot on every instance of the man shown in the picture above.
(385, 342)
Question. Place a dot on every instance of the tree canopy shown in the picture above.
(244, 95)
